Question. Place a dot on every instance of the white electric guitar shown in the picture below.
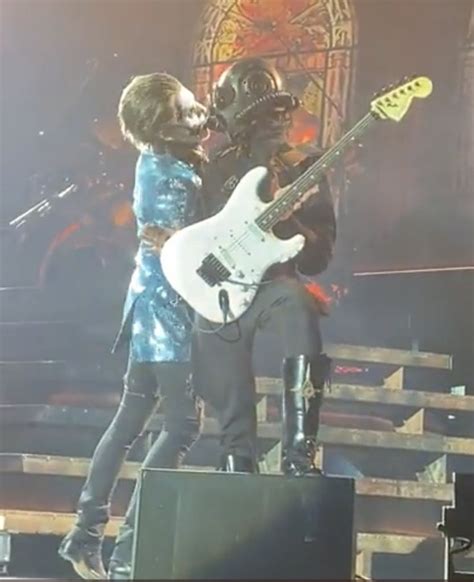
(216, 265)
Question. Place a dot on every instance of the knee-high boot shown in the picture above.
(303, 379)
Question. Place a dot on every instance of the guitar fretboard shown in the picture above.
(273, 213)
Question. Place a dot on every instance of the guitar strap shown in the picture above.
(229, 185)
(287, 165)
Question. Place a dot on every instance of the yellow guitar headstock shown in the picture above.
(394, 103)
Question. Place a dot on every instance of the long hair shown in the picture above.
(145, 104)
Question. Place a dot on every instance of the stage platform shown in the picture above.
(400, 443)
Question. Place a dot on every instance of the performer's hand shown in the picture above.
(155, 236)
(299, 203)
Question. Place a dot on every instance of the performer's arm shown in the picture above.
(317, 222)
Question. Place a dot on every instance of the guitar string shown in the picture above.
(304, 181)
(306, 178)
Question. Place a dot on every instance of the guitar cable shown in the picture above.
(224, 304)
(225, 308)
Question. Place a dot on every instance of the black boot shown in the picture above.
(231, 463)
(120, 566)
(303, 380)
(83, 548)
(119, 571)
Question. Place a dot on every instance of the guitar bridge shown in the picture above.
(212, 271)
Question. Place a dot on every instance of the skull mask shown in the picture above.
(187, 127)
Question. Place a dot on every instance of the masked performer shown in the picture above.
(253, 107)
(162, 119)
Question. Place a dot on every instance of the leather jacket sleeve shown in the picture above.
(318, 218)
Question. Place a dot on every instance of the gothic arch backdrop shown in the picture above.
(313, 42)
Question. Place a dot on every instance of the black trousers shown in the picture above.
(145, 386)
(222, 361)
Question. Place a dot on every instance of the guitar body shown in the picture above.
(235, 244)
(216, 265)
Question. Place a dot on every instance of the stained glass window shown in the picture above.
(311, 41)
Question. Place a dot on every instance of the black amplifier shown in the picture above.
(199, 526)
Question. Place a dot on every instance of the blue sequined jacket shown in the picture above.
(155, 321)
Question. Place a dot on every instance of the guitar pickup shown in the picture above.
(212, 271)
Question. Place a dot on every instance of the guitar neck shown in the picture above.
(273, 213)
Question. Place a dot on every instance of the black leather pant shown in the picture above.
(146, 385)
(222, 362)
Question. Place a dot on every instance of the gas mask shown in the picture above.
(251, 95)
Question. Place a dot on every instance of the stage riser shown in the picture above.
(58, 494)
(397, 442)
(23, 341)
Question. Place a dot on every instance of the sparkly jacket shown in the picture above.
(155, 321)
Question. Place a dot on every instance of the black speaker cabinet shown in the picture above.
(198, 526)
